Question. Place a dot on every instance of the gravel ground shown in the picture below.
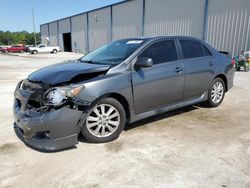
(190, 147)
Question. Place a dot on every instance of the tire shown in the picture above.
(215, 97)
(105, 130)
(54, 51)
(21, 51)
(247, 69)
(6, 51)
(34, 52)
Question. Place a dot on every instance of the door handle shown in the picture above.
(178, 69)
(211, 64)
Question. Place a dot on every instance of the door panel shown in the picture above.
(199, 68)
(198, 76)
(157, 86)
(42, 49)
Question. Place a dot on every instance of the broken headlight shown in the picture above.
(59, 95)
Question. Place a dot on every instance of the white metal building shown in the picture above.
(224, 24)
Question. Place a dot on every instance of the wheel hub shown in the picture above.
(103, 120)
(217, 92)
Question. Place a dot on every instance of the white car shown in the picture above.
(42, 48)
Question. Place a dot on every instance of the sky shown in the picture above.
(16, 15)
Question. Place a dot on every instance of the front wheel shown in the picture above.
(105, 121)
(216, 93)
(54, 51)
(34, 52)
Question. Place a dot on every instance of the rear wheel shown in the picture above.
(34, 52)
(54, 51)
(216, 93)
(105, 121)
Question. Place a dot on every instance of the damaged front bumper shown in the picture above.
(51, 130)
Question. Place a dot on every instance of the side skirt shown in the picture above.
(137, 117)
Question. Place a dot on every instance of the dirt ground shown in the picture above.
(190, 147)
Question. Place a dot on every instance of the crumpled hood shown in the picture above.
(64, 72)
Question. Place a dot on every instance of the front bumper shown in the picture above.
(49, 131)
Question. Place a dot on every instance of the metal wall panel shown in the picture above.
(174, 17)
(64, 27)
(53, 34)
(44, 34)
(228, 25)
(99, 27)
(127, 19)
(79, 33)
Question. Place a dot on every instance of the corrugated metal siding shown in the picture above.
(44, 34)
(99, 27)
(174, 17)
(127, 19)
(228, 25)
(64, 27)
(53, 34)
(79, 33)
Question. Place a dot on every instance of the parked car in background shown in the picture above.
(2, 49)
(118, 83)
(43, 48)
(15, 48)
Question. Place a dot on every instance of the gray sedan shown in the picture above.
(118, 83)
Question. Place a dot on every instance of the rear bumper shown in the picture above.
(230, 78)
(48, 131)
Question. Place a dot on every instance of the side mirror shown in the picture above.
(144, 62)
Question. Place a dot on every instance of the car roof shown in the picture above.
(162, 37)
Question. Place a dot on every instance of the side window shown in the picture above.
(206, 51)
(161, 52)
(191, 49)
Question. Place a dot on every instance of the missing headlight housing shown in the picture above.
(59, 95)
(55, 96)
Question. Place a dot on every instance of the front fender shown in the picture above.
(115, 83)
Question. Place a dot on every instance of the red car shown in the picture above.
(17, 48)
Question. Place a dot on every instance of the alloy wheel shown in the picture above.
(103, 120)
(217, 92)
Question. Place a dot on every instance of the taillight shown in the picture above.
(233, 62)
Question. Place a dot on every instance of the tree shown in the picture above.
(21, 37)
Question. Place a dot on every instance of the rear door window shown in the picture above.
(161, 52)
(206, 51)
(191, 49)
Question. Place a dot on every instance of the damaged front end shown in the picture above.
(48, 118)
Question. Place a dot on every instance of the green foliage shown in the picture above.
(22, 37)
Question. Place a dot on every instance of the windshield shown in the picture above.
(113, 53)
